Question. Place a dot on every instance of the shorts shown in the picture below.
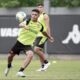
(37, 41)
(18, 47)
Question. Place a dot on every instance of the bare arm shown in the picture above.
(47, 23)
(49, 37)
(23, 25)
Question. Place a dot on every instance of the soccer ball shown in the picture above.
(20, 16)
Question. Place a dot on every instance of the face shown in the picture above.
(40, 8)
(34, 16)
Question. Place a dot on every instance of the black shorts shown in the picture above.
(37, 41)
(18, 47)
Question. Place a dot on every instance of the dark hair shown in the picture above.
(40, 4)
(36, 10)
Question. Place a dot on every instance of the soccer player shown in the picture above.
(28, 32)
(41, 39)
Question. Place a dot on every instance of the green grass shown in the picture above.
(62, 70)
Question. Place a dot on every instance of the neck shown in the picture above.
(41, 12)
(34, 20)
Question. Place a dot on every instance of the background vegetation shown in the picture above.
(28, 3)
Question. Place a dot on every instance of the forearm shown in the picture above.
(45, 34)
(48, 31)
(47, 24)
(21, 25)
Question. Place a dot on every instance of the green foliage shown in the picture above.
(10, 4)
(19, 3)
(65, 3)
(29, 3)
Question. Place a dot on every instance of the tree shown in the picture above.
(19, 3)
(65, 3)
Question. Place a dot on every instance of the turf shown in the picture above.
(61, 70)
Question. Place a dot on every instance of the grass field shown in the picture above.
(61, 70)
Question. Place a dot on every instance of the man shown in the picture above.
(27, 34)
(41, 39)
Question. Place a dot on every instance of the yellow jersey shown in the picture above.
(41, 20)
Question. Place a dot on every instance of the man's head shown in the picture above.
(35, 14)
(40, 7)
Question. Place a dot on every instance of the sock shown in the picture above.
(45, 61)
(42, 65)
(9, 65)
(21, 69)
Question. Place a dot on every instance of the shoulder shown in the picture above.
(27, 20)
(46, 16)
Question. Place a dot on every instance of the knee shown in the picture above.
(36, 49)
(11, 54)
(30, 53)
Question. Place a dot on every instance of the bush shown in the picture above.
(65, 3)
(19, 3)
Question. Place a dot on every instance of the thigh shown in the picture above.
(28, 47)
(37, 41)
(40, 42)
(17, 48)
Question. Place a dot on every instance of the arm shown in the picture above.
(47, 23)
(49, 37)
(23, 25)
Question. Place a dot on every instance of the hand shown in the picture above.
(51, 39)
(23, 25)
(26, 27)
